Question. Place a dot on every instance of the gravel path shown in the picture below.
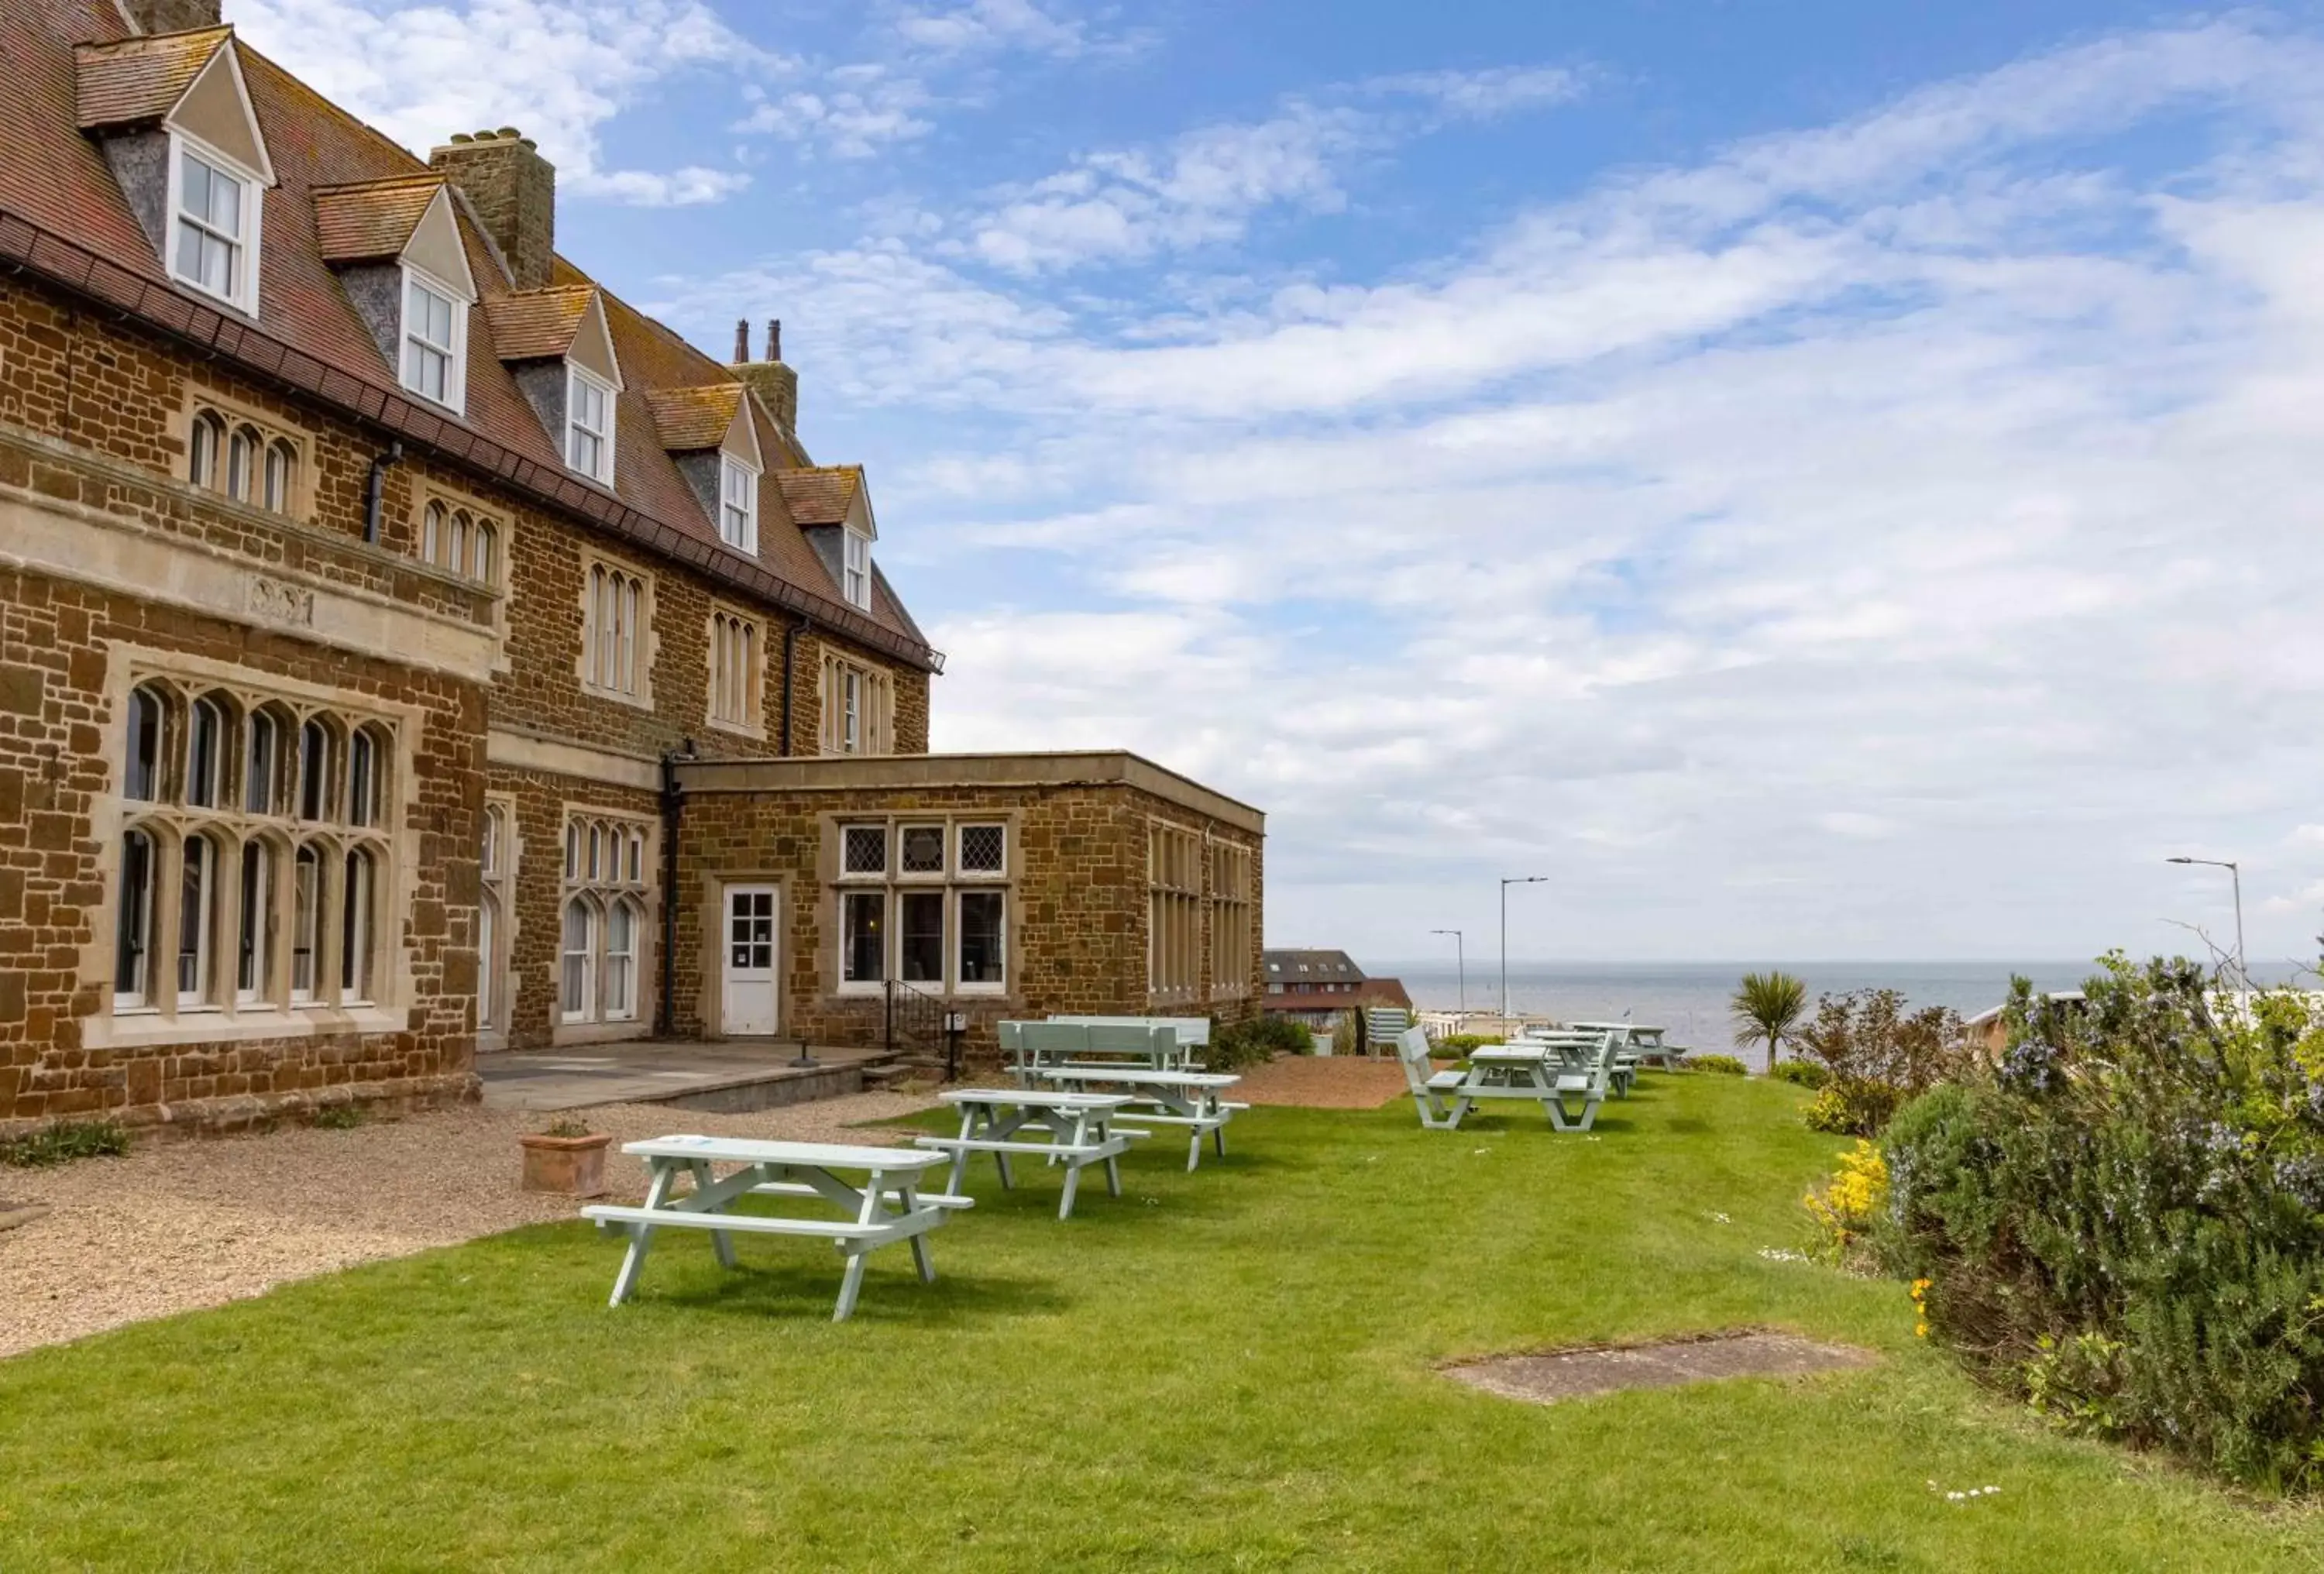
(1324, 1082)
(175, 1227)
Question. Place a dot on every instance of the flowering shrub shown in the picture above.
(1725, 1065)
(2123, 1220)
(1806, 1073)
(1875, 1055)
(1845, 1206)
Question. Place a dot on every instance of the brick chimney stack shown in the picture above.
(777, 384)
(514, 190)
(171, 16)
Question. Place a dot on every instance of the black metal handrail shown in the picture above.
(915, 1019)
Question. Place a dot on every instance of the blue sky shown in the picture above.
(1815, 480)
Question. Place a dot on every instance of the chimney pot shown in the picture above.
(774, 339)
(743, 341)
(514, 190)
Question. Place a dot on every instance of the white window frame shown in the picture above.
(456, 373)
(738, 504)
(576, 378)
(242, 293)
(855, 568)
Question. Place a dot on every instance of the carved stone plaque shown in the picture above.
(280, 603)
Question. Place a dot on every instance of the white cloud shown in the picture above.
(1881, 538)
(559, 69)
(1487, 95)
(1201, 187)
(857, 111)
(987, 26)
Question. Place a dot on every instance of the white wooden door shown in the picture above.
(748, 995)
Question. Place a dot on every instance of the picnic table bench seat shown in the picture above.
(1190, 1099)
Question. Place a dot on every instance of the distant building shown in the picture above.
(1318, 988)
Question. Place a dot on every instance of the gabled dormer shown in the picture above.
(395, 246)
(557, 344)
(172, 113)
(833, 507)
(709, 434)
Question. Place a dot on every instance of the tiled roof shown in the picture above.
(141, 78)
(693, 418)
(821, 495)
(63, 216)
(358, 223)
(538, 325)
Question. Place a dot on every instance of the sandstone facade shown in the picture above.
(342, 733)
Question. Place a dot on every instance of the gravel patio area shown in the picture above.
(1323, 1082)
(174, 1226)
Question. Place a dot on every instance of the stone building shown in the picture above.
(407, 648)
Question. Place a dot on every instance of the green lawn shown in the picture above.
(1228, 1370)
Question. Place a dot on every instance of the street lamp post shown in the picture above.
(1521, 879)
(1460, 960)
(2237, 875)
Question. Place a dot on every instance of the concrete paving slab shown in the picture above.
(725, 1077)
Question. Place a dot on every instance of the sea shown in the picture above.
(1689, 1000)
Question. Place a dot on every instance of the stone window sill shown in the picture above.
(143, 1030)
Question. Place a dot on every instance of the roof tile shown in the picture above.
(694, 418)
(821, 495)
(375, 219)
(140, 78)
(538, 325)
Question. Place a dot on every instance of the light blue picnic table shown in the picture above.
(889, 1207)
(1540, 1072)
(1070, 1128)
(1196, 1101)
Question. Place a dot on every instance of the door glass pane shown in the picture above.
(920, 927)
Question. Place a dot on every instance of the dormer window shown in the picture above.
(435, 341)
(589, 424)
(857, 583)
(738, 505)
(214, 230)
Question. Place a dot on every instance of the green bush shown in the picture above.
(64, 1142)
(1726, 1066)
(2123, 1220)
(1254, 1041)
(1456, 1045)
(1806, 1073)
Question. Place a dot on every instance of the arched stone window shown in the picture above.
(205, 751)
(197, 913)
(205, 448)
(282, 471)
(241, 460)
(358, 897)
(132, 944)
(141, 777)
(622, 922)
(306, 922)
(577, 992)
(255, 923)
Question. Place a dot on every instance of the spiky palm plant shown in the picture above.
(1767, 1007)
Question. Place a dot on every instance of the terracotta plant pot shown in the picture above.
(571, 1166)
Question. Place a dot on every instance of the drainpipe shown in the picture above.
(673, 799)
(375, 494)
(791, 650)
